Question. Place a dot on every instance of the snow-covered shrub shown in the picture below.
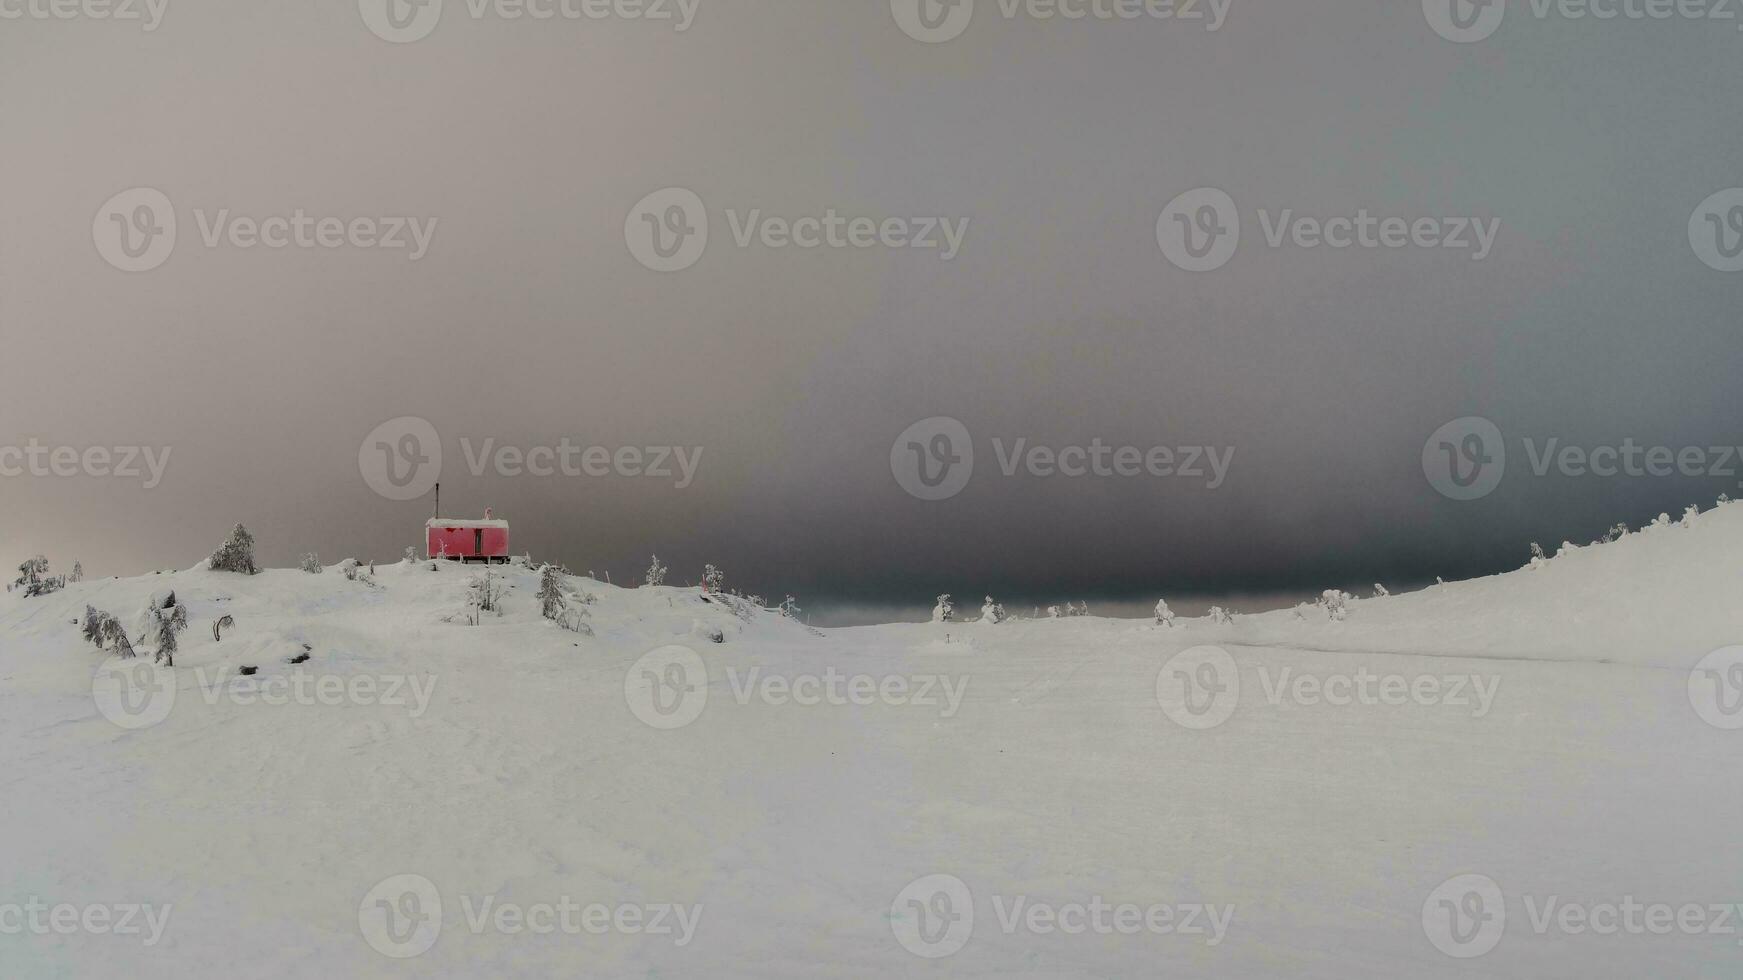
(1053, 612)
(163, 618)
(554, 601)
(1689, 515)
(78, 574)
(656, 573)
(1538, 558)
(1221, 616)
(411, 555)
(1616, 533)
(992, 612)
(1077, 609)
(1380, 591)
(236, 554)
(1336, 604)
(713, 579)
(945, 609)
(483, 595)
(1164, 615)
(310, 563)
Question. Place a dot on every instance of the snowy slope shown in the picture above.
(518, 767)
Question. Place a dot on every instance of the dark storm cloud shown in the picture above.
(520, 146)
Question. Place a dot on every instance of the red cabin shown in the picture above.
(457, 540)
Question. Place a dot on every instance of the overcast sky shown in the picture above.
(522, 151)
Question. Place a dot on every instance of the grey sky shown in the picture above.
(1591, 321)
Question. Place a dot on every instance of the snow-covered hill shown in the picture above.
(784, 802)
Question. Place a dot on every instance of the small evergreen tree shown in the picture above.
(78, 574)
(992, 612)
(93, 628)
(713, 579)
(552, 600)
(236, 554)
(945, 610)
(310, 563)
(115, 638)
(656, 574)
(1164, 615)
(164, 618)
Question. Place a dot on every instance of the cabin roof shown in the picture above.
(468, 525)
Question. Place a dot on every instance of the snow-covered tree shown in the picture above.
(1689, 515)
(992, 612)
(656, 573)
(93, 628)
(310, 563)
(713, 579)
(115, 638)
(1164, 615)
(552, 599)
(1380, 591)
(34, 579)
(1053, 612)
(945, 610)
(236, 554)
(790, 608)
(164, 618)
(411, 555)
(78, 574)
(1538, 558)
(1221, 616)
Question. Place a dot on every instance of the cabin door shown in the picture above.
(478, 542)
